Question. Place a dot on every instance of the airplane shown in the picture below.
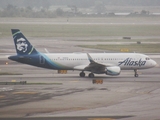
(95, 63)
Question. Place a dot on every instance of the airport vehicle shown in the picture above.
(95, 63)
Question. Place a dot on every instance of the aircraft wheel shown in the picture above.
(82, 74)
(136, 74)
(91, 75)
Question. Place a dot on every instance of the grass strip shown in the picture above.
(43, 83)
(138, 48)
(8, 73)
(19, 83)
(53, 30)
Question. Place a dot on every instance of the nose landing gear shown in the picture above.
(136, 73)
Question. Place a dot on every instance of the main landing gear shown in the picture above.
(135, 73)
(91, 75)
(82, 74)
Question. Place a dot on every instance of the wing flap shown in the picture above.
(80, 67)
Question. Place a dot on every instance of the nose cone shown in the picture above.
(153, 63)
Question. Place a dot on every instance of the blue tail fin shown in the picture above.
(22, 45)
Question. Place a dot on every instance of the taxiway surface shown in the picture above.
(67, 96)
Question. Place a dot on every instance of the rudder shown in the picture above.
(22, 45)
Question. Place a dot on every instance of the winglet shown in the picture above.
(90, 58)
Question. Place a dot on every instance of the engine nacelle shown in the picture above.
(115, 70)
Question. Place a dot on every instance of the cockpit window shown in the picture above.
(147, 58)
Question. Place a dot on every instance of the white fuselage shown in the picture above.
(99, 63)
(126, 61)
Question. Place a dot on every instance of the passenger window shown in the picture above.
(147, 58)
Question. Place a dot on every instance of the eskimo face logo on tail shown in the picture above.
(130, 62)
(22, 45)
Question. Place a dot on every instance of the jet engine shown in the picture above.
(114, 70)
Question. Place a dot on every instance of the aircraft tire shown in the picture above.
(136, 75)
(91, 75)
(82, 74)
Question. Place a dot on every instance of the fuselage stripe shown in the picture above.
(30, 51)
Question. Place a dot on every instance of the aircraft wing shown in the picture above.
(94, 66)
